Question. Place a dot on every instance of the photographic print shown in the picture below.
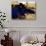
(23, 10)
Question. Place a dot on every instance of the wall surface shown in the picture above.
(40, 15)
(23, 27)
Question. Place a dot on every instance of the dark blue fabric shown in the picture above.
(20, 11)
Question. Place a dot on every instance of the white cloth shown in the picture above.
(27, 44)
(28, 38)
(1, 45)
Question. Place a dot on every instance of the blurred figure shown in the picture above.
(19, 11)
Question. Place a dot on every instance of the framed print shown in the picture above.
(23, 10)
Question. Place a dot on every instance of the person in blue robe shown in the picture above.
(20, 10)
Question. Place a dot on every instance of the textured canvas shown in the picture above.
(23, 10)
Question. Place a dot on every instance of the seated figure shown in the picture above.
(20, 10)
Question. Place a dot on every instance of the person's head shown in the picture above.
(21, 5)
